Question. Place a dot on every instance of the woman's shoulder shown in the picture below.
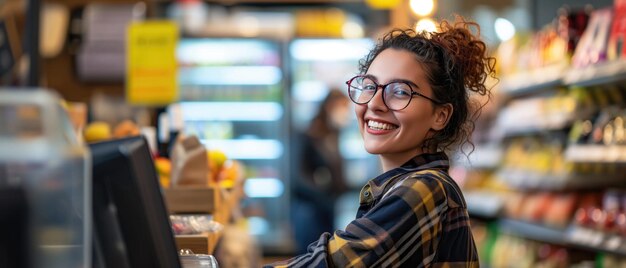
(432, 181)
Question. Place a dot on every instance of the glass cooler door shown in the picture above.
(232, 97)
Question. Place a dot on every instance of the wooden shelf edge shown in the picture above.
(204, 243)
(193, 200)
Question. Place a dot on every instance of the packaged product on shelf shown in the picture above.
(590, 213)
(610, 210)
(571, 24)
(560, 211)
(535, 206)
(580, 131)
(593, 44)
(189, 162)
(616, 48)
(194, 224)
(514, 204)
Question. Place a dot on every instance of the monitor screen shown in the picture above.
(131, 223)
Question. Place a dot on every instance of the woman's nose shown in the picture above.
(377, 102)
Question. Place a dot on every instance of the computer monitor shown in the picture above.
(131, 223)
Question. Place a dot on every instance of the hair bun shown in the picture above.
(465, 54)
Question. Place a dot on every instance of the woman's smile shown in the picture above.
(379, 127)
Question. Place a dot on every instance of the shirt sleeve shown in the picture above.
(403, 227)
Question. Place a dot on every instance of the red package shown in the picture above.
(616, 48)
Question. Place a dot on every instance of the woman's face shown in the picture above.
(398, 136)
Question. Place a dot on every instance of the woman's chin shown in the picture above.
(374, 150)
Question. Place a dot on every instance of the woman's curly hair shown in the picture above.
(456, 64)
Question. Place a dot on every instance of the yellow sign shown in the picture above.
(320, 23)
(383, 4)
(151, 63)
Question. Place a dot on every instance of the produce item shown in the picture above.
(231, 173)
(97, 131)
(216, 159)
(164, 170)
(126, 128)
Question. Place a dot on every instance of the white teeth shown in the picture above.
(379, 125)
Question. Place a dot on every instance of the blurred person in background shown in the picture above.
(413, 106)
(321, 179)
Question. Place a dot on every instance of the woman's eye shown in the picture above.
(399, 90)
(401, 93)
(369, 87)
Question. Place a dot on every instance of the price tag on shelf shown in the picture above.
(151, 63)
(614, 243)
(585, 236)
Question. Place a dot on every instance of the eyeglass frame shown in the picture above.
(383, 86)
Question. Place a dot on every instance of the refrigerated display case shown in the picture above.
(232, 96)
(317, 66)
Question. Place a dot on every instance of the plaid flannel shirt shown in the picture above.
(411, 216)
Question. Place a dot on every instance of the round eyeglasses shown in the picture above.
(396, 95)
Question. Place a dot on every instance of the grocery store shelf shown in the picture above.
(199, 200)
(596, 153)
(537, 115)
(216, 201)
(549, 77)
(533, 81)
(599, 74)
(533, 231)
(572, 236)
(203, 243)
(529, 180)
(596, 240)
(535, 130)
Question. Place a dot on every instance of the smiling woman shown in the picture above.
(405, 129)
(413, 105)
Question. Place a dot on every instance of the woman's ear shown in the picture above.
(442, 116)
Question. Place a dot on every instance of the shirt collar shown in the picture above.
(376, 186)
